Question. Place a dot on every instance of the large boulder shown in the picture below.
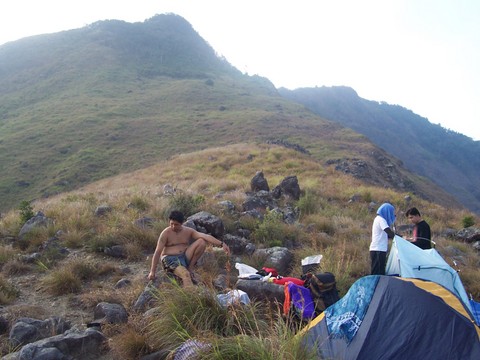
(261, 200)
(27, 330)
(261, 290)
(38, 221)
(73, 345)
(212, 224)
(110, 313)
(288, 187)
(238, 245)
(259, 182)
(276, 257)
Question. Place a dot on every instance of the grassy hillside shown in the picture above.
(330, 224)
(84, 104)
(449, 159)
(224, 173)
(112, 97)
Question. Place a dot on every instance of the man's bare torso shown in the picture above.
(176, 241)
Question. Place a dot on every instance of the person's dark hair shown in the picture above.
(176, 215)
(412, 211)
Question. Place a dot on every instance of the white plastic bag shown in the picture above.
(245, 270)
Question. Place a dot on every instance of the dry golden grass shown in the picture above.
(10, 224)
(60, 282)
(330, 224)
(224, 174)
(15, 267)
(8, 292)
(7, 253)
(128, 342)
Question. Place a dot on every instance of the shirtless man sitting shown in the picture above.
(175, 251)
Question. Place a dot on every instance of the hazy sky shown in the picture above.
(420, 54)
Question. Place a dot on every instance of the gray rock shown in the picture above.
(110, 313)
(27, 330)
(277, 257)
(84, 345)
(122, 283)
(227, 205)
(236, 244)
(288, 187)
(39, 220)
(116, 251)
(144, 222)
(103, 210)
(262, 291)
(469, 235)
(211, 223)
(259, 182)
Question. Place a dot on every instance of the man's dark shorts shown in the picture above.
(171, 262)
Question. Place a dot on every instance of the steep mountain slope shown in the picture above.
(112, 97)
(447, 158)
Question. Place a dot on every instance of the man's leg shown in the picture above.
(194, 251)
(378, 262)
(177, 264)
(182, 272)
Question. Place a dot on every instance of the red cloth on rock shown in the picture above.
(284, 280)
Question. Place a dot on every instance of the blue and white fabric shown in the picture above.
(344, 318)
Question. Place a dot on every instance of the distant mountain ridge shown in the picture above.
(113, 97)
(449, 159)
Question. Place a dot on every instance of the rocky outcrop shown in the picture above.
(469, 235)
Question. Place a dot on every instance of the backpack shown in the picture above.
(323, 288)
(298, 302)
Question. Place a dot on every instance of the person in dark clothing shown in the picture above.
(421, 235)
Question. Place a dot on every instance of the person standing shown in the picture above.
(381, 232)
(421, 234)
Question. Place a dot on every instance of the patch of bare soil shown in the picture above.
(35, 301)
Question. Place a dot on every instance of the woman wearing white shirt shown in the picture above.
(381, 232)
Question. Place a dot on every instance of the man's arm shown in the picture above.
(389, 232)
(162, 240)
(211, 239)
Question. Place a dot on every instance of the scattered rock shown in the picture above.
(110, 313)
(27, 330)
(39, 220)
(103, 210)
(259, 183)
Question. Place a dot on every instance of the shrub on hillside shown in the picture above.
(307, 204)
(26, 211)
(139, 203)
(188, 204)
(271, 230)
(468, 221)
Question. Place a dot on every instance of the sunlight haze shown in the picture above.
(420, 54)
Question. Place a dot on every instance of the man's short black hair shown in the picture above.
(413, 211)
(176, 215)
